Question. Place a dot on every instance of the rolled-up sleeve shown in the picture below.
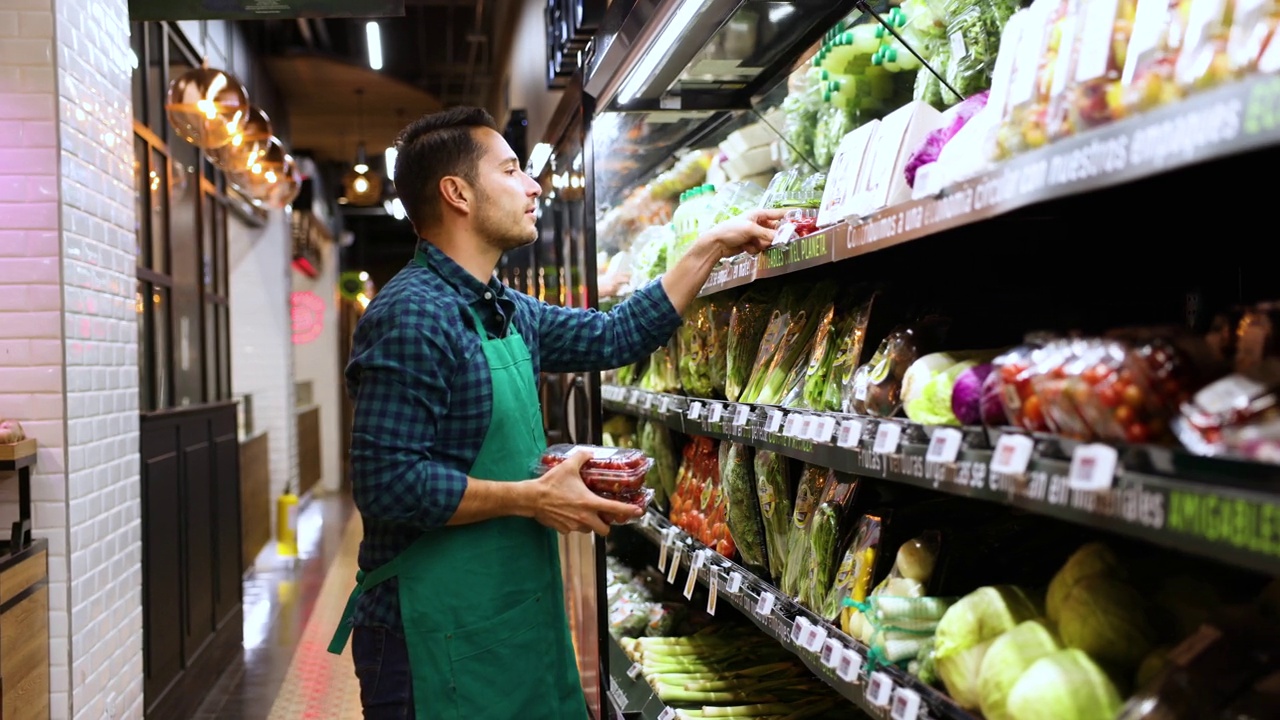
(401, 386)
(575, 340)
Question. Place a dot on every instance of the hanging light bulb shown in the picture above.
(255, 133)
(362, 189)
(207, 107)
(362, 160)
(285, 188)
(263, 168)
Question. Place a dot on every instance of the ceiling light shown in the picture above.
(374, 38)
(361, 184)
(391, 154)
(538, 159)
(364, 276)
(645, 70)
(206, 107)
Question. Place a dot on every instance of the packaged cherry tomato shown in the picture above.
(1111, 395)
(1158, 31)
(610, 470)
(641, 499)
(1015, 372)
(1023, 127)
(1057, 372)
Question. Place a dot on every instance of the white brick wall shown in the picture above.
(68, 335)
(94, 64)
(318, 362)
(31, 343)
(261, 332)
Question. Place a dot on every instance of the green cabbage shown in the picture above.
(1093, 558)
(1107, 618)
(1007, 659)
(969, 628)
(1066, 685)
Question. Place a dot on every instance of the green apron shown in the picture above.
(483, 604)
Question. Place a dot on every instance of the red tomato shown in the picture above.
(1137, 433)
(1032, 414)
(1124, 415)
(1107, 396)
(1132, 396)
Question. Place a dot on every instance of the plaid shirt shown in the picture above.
(423, 394)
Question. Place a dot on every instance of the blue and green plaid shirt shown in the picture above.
(423, 395)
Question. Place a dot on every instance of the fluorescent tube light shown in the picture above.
(391, 154)
(538, 159)
(643, 72)
(374, 38)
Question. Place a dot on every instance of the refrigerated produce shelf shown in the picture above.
(830, 654)
(630, 697)
(1227, 510)
(1215, 124)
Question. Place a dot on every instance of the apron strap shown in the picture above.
(364, 581)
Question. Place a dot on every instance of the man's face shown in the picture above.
(507, 197)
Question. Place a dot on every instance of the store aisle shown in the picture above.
(290, 609)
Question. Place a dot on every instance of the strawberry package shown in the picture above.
(612, 471)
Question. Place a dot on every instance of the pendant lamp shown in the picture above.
(207, 107)
(252, 139)
(263, 169)
(287, 185)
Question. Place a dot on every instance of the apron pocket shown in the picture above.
(505, 652)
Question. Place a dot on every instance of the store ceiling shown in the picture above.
(442, 53)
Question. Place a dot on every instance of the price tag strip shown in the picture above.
(666, 404)
(740, 415)
(713, 415)
(1093, 467)
(774, 422)
(849, 665)
(1012, 454)
(906, 704)
(823, 428)
(634, 671)
(799, 629)
(765, 605)
(667, 714)
(676, 549)
(850, 433)
(668, 536)
(832, 650)
(804, 428)
(735, 582)
(813, 638)
(713, 587)
(695, 410)
(792, 424)
(887, 437)
(944, 446)
(697, 560)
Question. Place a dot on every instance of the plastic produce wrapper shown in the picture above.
(813, 483)
(954, 119)
(909, 578)
(656, 442)
(878, 392)
(651, 248)
(1024, 122)
(663, 375)
(747, 323)
(1249, 44)
(1094, 94)
(790, 329)
(848, 354)
(773, 490)
(928, 88)
(1148, 79)
(855, 575)
(800, 116)
(689, 171)
(738, 477)
(696, 338)
(794, 392)
(1203, 62)
(973, 36)
(829, 532)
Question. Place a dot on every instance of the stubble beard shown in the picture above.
(499, 234)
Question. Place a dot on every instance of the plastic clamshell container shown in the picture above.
(640, 498)
(610, 470)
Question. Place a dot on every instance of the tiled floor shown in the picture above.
(280, 596)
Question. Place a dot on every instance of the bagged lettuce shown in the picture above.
(748, 321)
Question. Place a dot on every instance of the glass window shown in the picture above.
(224, 355)
(157, 82)
(146, 367)
(158, 183)
(220, 248)
(208, 262)
(211, 351)
(162, 349)
(138, 45)
(141, 151)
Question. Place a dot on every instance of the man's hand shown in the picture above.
(749, 232)
(563, 503)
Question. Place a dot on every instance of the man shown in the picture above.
(458, 611)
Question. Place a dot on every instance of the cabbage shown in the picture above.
(1107, 618)
(1066, 685)
(993, 414)
(1007, 659)
(966, 395)
(1093, 558)
(968, 628)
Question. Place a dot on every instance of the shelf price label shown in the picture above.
(906, 704)
(634, 671)
(648, 401)
(799, 629)
(676, 549)
(832, 650)
(634, 398)
(714, 413)
(765, 605)
(823, 428)
(1012, 454)
(695, 564)
(879, 689)
(813, 638)
(944, 446)
(887, 437)
(850, 433)
(849, 666)
(713, 589)
(792, 424)
(666, 404)
(668, 536)
(804, 428)
(740, 415)
(667, 714)
(695, 410)
(735, 582)
(774, 422)
(1093, 467)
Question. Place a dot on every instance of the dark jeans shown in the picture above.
(382, 664)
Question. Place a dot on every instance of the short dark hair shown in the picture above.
(432, 148)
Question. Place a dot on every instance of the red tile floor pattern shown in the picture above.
(318, 684)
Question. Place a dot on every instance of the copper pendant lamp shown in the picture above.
(207, 107)
(263, 169)
(286, 186)
(252, 139)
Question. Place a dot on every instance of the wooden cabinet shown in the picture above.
(24, 633)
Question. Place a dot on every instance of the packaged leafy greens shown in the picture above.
(788, 334)
(747, 322)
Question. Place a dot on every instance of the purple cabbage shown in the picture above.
(967, 397)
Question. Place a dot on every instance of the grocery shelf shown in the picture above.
(1218, 123)
(830, 654)
(1226, 510)
(631, 698)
